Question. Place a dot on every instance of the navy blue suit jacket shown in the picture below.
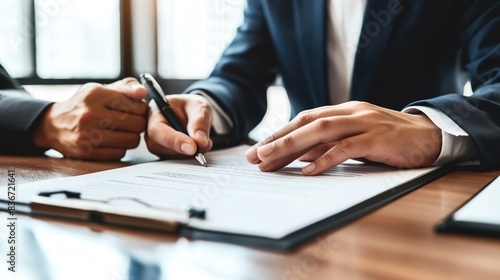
(19, 113)
(410, 52)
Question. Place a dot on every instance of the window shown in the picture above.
(73, 41)
(15, 36)
(193, 33)
(61, 39)
(78, 39)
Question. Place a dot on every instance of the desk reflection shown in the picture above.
(397, 241)
(54, 251)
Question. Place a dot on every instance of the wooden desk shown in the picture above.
(397, 241)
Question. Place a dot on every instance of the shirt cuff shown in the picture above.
(456, 143)
(222, 123)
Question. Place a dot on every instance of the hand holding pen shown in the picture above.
(179, 125)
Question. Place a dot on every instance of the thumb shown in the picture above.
(130, 87)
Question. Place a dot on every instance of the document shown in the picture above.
(479, 215)
(483, 208)
(237, 196)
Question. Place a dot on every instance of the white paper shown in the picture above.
(237, 196)
(484, 207)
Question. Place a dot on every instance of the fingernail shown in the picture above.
(251, 155)
(309, 168)
(266, 149)
(188, 149)
(136, 86)
(202, 136)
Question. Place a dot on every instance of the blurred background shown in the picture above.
(65, 41)
(53, 46)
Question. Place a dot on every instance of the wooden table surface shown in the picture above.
(397, 241)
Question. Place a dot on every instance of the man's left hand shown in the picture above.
(327, 136)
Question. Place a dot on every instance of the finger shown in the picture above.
(169, 138)
(251, 155)
(358, 146)
(116, 139)
(160, 150)
(279, 163)
(302, 119)
(199, 116)
(321, 131)
(309, 116)
(110, 97)
(120, 121)
(315, 153)
(118, 101)
(164, 152)
(130, 87)
(162, 134)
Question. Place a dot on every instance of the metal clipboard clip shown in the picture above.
(76, 206)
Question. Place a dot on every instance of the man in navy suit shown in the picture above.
(402, 64)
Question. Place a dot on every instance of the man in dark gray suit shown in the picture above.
(98, 122)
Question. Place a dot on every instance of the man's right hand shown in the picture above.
(99, 122)
(195, 113)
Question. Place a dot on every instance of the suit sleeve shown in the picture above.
(19, 113)
(246, 69)
(478, 115)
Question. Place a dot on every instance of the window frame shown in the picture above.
(126, 67)
(133, 59)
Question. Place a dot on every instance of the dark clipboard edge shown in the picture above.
(450, 225)
(303, 235)
(292, 240)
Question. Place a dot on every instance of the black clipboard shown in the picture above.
(452, 225)
(288, 242)
(314, 230)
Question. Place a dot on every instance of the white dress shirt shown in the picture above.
(344, 30)
(345, 19)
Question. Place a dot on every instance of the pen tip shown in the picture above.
(201, 159)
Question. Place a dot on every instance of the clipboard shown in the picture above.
(158, 220)
(475, 224)
(314, 230)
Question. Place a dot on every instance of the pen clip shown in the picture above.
(152, 81)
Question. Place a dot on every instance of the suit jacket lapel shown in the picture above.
(375, 35)
(310, 24)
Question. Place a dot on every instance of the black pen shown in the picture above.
(156, 93)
